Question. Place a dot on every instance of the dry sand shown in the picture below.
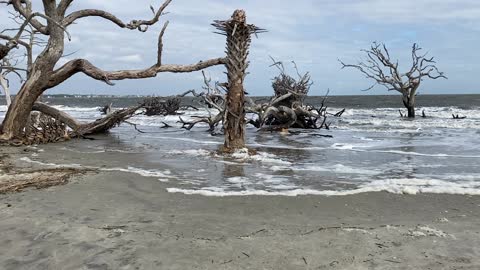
(112, 220)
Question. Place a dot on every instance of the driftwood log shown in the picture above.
(79, 129)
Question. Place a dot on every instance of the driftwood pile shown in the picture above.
(161, 106)
(286, 109)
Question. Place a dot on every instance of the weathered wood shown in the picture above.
(238, 34)
(101, 125)
(6, 89)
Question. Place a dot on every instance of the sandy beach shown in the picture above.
(116, 220)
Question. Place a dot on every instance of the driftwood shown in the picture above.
(166, 105)
(79, 129)
(17, 179)
(107, 109)
(161, 106)
(281, 112)
(286, 109)
(458, 117)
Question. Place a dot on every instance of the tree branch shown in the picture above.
(26, 12)
(84, 66)
(92, 13)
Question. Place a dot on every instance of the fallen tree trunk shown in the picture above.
(101, 125)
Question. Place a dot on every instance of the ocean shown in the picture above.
(372, 149)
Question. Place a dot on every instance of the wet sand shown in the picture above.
(115, 220)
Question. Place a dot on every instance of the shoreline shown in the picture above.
(114, 220)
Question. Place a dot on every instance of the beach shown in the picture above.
(119, 220)
(381, 193)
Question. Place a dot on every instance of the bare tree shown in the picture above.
(43, 75)
(379, 67)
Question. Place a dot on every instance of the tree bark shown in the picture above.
(4, 85)
(409, 103)
(238, 41)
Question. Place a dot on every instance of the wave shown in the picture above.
(396, 186)
(337, 168)
(263, 157)
(424, 155)
(162, 175)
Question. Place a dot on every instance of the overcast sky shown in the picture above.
(314, 33)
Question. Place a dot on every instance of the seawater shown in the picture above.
(372, 150)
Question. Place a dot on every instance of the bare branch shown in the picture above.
(160, 44)
(84, 66)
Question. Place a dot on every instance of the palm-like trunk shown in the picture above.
(238, 34)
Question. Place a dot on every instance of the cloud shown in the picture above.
(133, 58)
(314, 33)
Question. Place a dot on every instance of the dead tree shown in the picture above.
(238, 34)
(79, 129)
(284, 110)
(165, 105)
(44, 74)
(161, 106)
(379, 67)
(214, 98)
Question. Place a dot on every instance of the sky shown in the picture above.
(313, 33)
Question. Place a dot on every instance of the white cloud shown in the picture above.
(133, 58)
(314, 33)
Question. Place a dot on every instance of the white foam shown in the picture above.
(192, 152)
(260, 157)
(337, 168)
(185, 140)
(73, 165)
(163, 175)
(397, 186)
(424, 155)
(423, 231)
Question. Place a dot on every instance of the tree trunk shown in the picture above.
(409, 103)
(38, 78)
(238, 42)
(19, 111)
(5, 87)
(411, 112)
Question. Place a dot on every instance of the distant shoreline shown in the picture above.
(317, 96)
